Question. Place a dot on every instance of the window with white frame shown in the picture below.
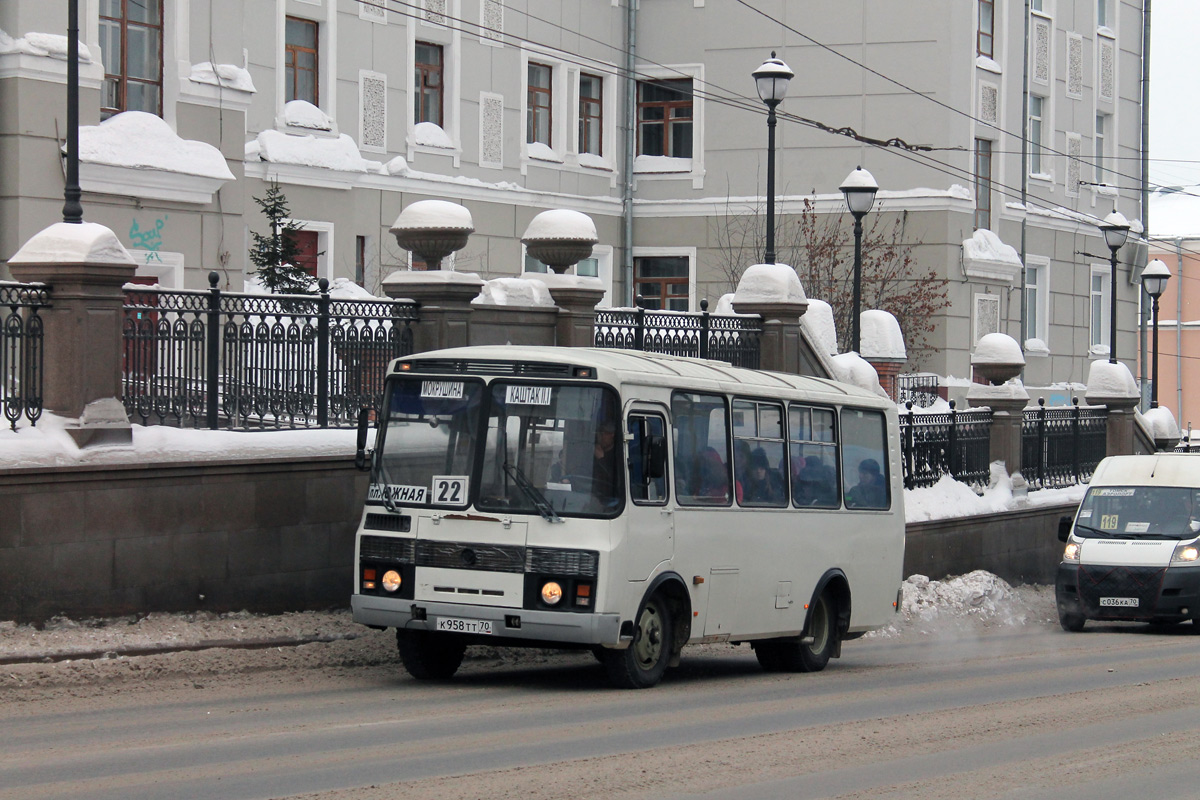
(1036, 132)
(597, 265)
(1103, 14)
(539, 108)
(301, 60)
(131, 39)
(1037, 305)
(1099, 310)
(985, 40)
(591, 114)
(983, 184)
(1103, 124)
(664, 118)
(428, 83)
(664, 282)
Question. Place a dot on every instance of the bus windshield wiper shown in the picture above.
(1099, 533)
(536, 497)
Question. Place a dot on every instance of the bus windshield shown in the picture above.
(562, 441)
(1126, 512)
(428, 442)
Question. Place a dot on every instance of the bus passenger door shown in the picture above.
(650, 529)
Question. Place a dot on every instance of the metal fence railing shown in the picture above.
(918, 388)
(734, 339)
(22, 350)
(1062, 446)
(218, 359)
(957, 443)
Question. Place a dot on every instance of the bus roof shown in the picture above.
(636, 367)
(1159, 469)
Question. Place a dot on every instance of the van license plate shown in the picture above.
(456, 625)
(1119, 602)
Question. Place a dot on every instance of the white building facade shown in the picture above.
(645, 119)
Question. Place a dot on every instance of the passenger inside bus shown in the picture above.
(869, 492)
(763, 486)
(710, 477)
(815, 484)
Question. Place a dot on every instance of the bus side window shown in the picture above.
(700, 429)
(864, 459)
(647, 459)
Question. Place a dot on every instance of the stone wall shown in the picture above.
(278, 535)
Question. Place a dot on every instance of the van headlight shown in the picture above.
(391, 580)
(1071, 552)
(551, 593)
(1186, 554)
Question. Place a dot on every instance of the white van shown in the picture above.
(1133, 551)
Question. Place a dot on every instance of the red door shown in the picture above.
(306, 251)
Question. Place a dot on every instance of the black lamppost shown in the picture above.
(772, 82)
(1154, 280)
(72, 208)
(1116, 230)
(859, 189)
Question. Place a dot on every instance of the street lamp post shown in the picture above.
(859, 189)
(772, 82)
(1154, 280)
(1116, 230)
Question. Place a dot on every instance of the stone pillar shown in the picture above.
(85, 265)
(1007, 402)
(780, 346)
(1119, 440)
(576, 299)
(444, 297)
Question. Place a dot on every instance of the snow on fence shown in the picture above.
(220, 359)
(22, 350)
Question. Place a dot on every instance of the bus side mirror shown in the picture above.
(656, 456)
(360, 453)
(1064, 528)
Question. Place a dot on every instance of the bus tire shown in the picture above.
(428, 656)
(1071, 621)
(642, 664)
(769, 655)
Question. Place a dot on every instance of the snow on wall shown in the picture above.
(139, 140)
(986, 246)
(769, 283)
(229, 76)
(1161, 423)
(430, 134)
(303, 114)
(70, 243)
(1106, 379)
(339, 153)
(514, 292)
(818, 322)
(49, 45)
(853, 369)
(880, 335)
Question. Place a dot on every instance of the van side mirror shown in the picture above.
(360, 453)
(1064, 528)
(656, 456)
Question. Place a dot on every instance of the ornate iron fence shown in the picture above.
(957, 444)
(218, 359)
(734, 339)
(22, 350)
(1062, 446)
(918, 388)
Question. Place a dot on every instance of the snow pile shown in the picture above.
(645, 163)
(303, 114)
(542, 152)
(986, 246)
(853, 369)
(430, 134)
(977, 599)
(73, 243)
(997, 348)
(561, 224)
(769, 283)
(950, 498)
(1109, 380)
(880, 335)
(139, 140)
(397, 166)
(340, 153)
(1161, 423)
(434, 215)
(346, 289)
(514, 292)
(229, 76)
(818, 322)
(50, 45)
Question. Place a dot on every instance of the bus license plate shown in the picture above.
(456, 625)
(1119, 602)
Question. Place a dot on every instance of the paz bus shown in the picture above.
(626, 502)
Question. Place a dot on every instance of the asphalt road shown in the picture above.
(1016, 713)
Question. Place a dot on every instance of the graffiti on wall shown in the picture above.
(149, 239)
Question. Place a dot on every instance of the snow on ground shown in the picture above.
(977, 600)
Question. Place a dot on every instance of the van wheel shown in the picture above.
(793, 655)
(642, 664)
(1070, 621)
(428, 656)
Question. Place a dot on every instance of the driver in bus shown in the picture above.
(604, 462)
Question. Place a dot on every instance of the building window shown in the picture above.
(360, 260)
(131, 38)
(986, 38)
(983, 184)
(427, 93)
(664, 118)
(1036, 307)
(586, 268)
(1099, 307)
(591, 113)
(1101, 147)
(1037, 5)
(300, 61)
(541, 97)
(1102, 16)
(662, 282)
(1036, 105)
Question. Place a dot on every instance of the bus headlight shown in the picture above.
(1186, 554)
(1071, 552)
(391, 580)
(551, 593)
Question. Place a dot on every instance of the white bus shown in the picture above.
(627, 502)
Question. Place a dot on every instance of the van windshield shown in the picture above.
(1139, 512)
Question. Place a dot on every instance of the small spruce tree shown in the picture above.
(274, 254)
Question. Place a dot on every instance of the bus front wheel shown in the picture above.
(429, 656)
(642, 664)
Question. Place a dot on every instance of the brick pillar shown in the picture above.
(444, 298)
(888, 370)
(781, 345)
(85, 265)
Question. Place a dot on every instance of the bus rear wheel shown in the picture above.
(803, 655)
(642, 664)
(428, 656)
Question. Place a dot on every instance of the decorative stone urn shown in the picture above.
(433, 229)
(998, 358)
(560, 238)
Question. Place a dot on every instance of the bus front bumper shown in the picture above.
(549, 627)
